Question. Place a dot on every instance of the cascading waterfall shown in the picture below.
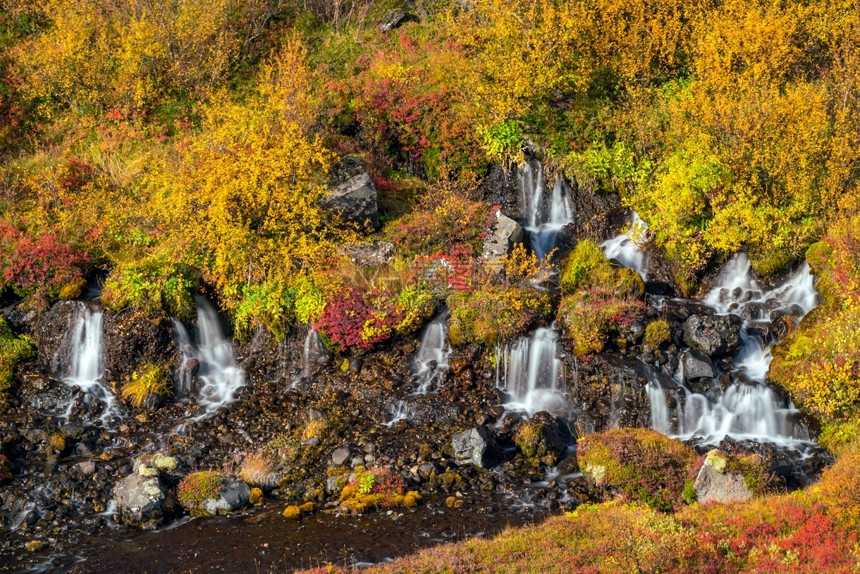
(313, 353)
(531, 374)
(86, 368)
(431, 363)
(627, 247)
(748, 408)
(546, 214)
(218, 371)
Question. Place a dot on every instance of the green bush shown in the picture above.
(494, 314)
(153, 284)
(13, 351)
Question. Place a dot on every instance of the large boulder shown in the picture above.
(716, 481)
(506, 233)
(352, 193)
(715, 335)
(140, 498)
(697, 366)
(476, 446)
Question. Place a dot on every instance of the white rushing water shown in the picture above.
(546, 213)
(218, 371)
(313, 353)
(431, 362)
(531, 374)
(628, 248)
(86, 367)
(748, 408)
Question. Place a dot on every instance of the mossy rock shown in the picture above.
(640, 464)
(541, 439)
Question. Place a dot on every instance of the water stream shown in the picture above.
(531, 374)
(86, 367)
(218, 371)
(747, 409)
(546, 213)
(313, 353)
(628, 248)
(431, 362)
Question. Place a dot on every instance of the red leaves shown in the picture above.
(43, 263)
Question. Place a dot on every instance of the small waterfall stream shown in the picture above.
(431, 362)
(86, 368)
(748, 409)
(313, 353)
(218, 371)
(531, 374)
(627, 247)
(546, 213)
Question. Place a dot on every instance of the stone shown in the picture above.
(394, 19)
(340, 456)
(697, 365)
(235, 493)
(505, 234)
(542, 439)
(140, 498)
(353, 194)
(86, 468)
(716, 483)
(715, 335)
(476, 446)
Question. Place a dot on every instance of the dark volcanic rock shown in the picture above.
(132, 339)
(715, 335)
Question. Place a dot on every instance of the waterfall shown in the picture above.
(313, 353)
(218, 371)
(748, 408)
(431, 363)
(627, 247)
(400, 411)
(532, 375)
(546, 215)
(86, 368)
(659, 407)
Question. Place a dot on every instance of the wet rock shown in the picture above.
(234, 496)
(697, 365)
(140, 498)
(542, 439)
(51, 333)
(353, 194)
(476, 446)
(22, 316)
(132, 339)
(340, 456)
(715, 335)
(505, 234)
(85, 468)
(716, 482)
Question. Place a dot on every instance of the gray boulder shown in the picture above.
(340, 456)
(714, 335)
(697, 365)
(395, 19)
(716, 482)
(352, 194)
(476, 446)
(233, 497)
(140, 498)
(506, 233)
